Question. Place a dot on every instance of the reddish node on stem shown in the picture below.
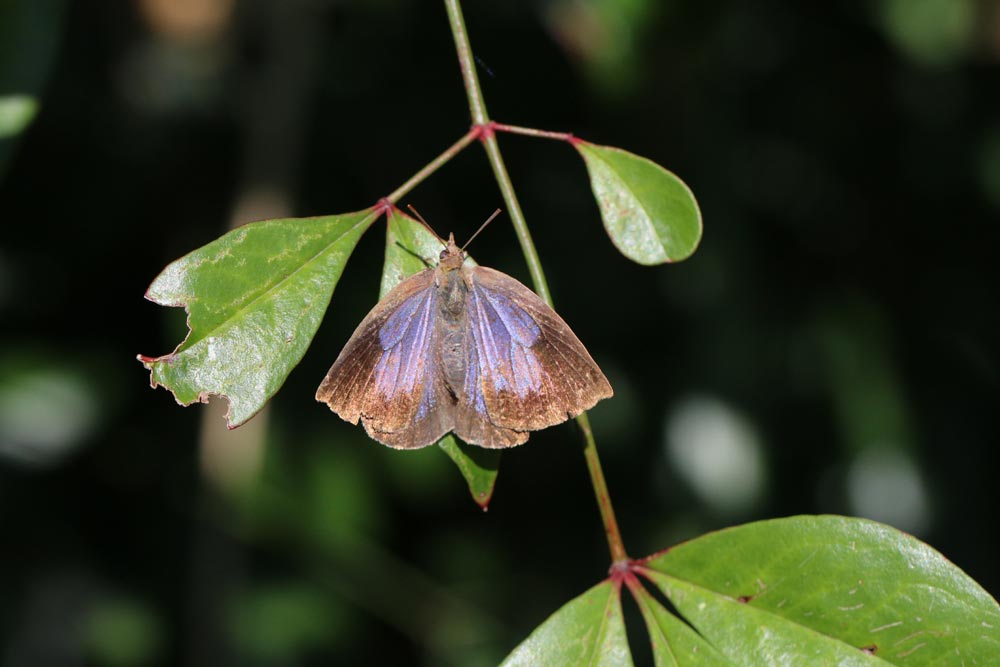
(486, 130)
(621, 570)
(383, 206)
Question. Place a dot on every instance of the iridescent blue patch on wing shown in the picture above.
(527, 370)
(502, 334)
(520, 325)
(396, 325)
(472, 389)
(406, 337)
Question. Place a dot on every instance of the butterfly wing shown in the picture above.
(386, 375)
(525, 368)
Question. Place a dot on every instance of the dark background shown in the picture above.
(830, 348)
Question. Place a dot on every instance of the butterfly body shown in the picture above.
(463, 349)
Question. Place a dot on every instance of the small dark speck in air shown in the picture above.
(479, 61)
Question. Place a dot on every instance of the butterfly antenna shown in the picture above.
(424, 223)
(481, 228)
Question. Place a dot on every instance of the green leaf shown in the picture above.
(478, 466)
(828, 590)
(674, 643)
(121, 631)
(279, 622)
(16, 113)
(650, 214)
(254, 298)
(588, 630)
(31, 34)
(410, 248)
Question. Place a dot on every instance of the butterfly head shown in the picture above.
(452, 256)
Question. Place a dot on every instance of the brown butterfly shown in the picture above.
(463, 349)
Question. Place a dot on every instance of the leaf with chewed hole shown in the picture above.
(410, 248)
(588, 630)
(827, 590)
(650, 214)
(255, 298)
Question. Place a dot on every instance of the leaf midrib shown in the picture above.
(188, 343)
(649, 217)
(770, 613)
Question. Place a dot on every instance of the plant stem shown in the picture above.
(477, 107)
(516, 216)
(611, 531)
(434, 165)
(482, 124)
(532, 132)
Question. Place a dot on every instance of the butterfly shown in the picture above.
(463, 349)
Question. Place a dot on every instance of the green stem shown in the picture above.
(477, 106)
(481, 123)
(434, 165)
(532, 132)
(516, 216)
(615, 543)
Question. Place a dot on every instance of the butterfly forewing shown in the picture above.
(385, 374)
(526, 368)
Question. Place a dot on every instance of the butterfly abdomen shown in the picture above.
(452, 322)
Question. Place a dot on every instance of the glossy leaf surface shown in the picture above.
(650, 214)
(588, 630)
(410, 248)
(674, 643)
(828, 590)
(255, 298)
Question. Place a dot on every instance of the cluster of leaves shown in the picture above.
(255, 297)
(822, 590)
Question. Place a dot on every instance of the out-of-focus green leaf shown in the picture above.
(588, 630)
(409, 246)
(121, 631)
(828, 591)
(30, 33)
(674, 643)
(16, 112)
(280, 622)
(930, 32)
(254, 298)
(650, 214)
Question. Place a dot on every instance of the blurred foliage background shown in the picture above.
(832, 346)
